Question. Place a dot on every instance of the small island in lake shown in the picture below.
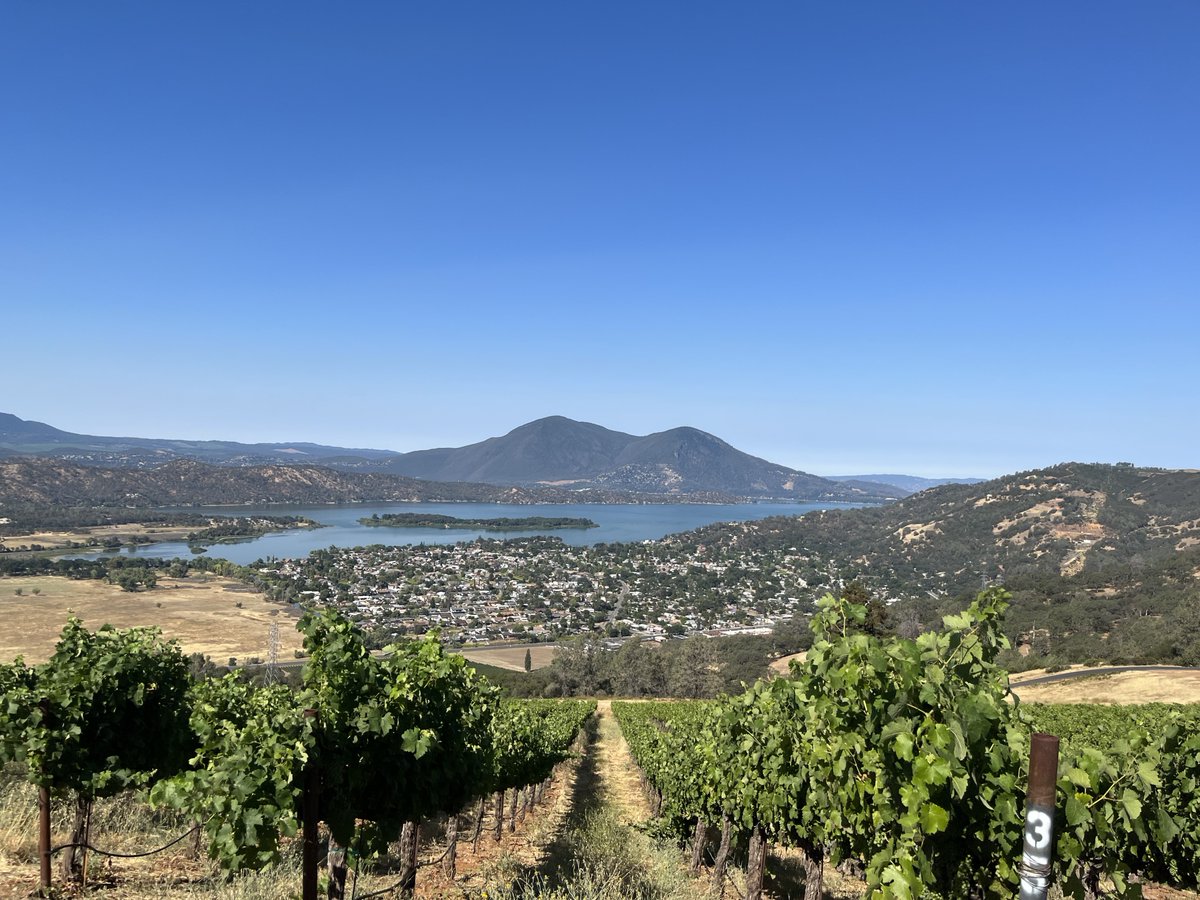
(429, 520)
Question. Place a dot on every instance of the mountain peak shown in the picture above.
(684, 459)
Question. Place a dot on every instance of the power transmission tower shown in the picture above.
(272, 673)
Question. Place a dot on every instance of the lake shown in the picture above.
(617, 522)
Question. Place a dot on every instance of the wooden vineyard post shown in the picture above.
(409, 840)
(310, 812)
(44, 840)
(512, 810)
(499, 815)
(450, 861)
(1035, 866)
(338, 870)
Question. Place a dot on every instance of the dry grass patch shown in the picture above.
(1123, 687)
(782, 666)
(206, 614)
(513, 658)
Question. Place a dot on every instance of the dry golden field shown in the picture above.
(782, 666)
(206, 614)
(512, 658)
(1122, 687)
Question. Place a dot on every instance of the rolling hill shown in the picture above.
(28, 438)
(27, 482)
(1103, 561)
(1064, 520)
(910, 483)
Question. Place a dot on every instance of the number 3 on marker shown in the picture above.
(1037, 829)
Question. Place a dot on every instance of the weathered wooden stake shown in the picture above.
(499, 825)
(450, 860)
(814, 869)
(72, 856)
(410, 838)
(197, 841)
(512, 810)
(44, 840)
(336, 861)
(1036, 866)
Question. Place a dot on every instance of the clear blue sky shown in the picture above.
(941, 238)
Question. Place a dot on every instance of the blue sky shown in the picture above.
(939, 238)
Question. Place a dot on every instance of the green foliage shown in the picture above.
(399, 737)
(908, 755)
(391, 738)
(531, 737)
(246, 778)
(108, 711)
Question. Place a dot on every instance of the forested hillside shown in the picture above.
(28, 482)
(1064, 520)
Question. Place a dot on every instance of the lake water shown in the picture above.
(617, 522)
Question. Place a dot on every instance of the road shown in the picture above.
(1100, 670)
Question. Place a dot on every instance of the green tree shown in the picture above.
(695, 669)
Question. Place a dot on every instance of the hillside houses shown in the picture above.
(540, 588)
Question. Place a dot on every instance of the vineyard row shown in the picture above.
(909, 758)
(368, 745)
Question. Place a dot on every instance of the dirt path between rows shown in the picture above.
(617, 782)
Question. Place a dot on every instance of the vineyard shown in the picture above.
(903, 764)
(346, 766)
(906, 760)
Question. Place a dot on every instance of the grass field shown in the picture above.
(206, 614)
(512, 659)
(1124, 687)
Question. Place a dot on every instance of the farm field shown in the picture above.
(207, 614)
(513, 658)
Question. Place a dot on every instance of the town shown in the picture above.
(540, 589)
